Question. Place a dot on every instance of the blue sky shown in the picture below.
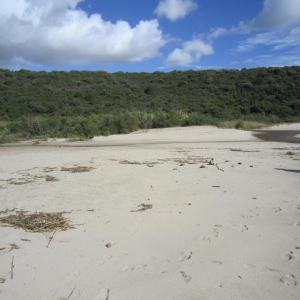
(148, 36)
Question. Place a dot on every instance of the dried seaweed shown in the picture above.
(241, 150)
(50, 178)
(127, 162)
(143, 207)
(78, 169)
(48, 169)
(38, 222)
(20, 182)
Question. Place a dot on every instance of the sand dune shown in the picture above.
(150, 222)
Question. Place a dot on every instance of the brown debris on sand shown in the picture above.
(51, 178)
(127, 162)
(79, 169)
(143, 207)
(242, 150)
(38, 222)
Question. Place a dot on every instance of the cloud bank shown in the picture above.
(276, 14)
(175, 9)
(190, 52)
(58, 33)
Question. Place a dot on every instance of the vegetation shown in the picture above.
(83, 103)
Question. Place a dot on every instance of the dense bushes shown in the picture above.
(122, 122)
(84, 104)
(223, 94)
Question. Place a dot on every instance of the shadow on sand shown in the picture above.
(288, 170)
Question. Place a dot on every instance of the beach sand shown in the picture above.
(151, 224)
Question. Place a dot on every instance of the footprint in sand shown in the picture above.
(105, 259)
(70, 279)
(247, 216)
(288, 280)
(216, 229)
(288, 255)
(132, 267)
(104, 295)
(185, 277)
(265, 269)
(127, 268)
(204, 238)
(243, 228)
(185, 256)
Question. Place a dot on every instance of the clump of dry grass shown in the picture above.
(127, 162)
(78, 169)
(51, 178)
(38, 222)
(20, 182)
(143, 207)
(241, 150)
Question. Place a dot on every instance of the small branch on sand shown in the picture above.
(217, 165)
(70, 293)
(50, 240)
(12, 268)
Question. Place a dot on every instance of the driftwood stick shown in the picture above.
(70, 293)
(219, 168)
(50, 240)
(12, 268)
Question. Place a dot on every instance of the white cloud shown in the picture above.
(276, 14)
(191, 52)
(215, 33)
(278, 40)
(281, 60)
(57, 33)
(175, 9)
(248, 61)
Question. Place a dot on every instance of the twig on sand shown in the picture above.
(50, 240)
(12, 268)
(143, 207)
(70, 293)
(217, 165)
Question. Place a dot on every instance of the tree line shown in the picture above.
(87, 103)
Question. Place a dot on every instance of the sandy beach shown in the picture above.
(153, 220)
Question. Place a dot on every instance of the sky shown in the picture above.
(148, 36)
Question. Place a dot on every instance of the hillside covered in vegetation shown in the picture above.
(86, 103)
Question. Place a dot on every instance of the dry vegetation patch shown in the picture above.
(38, 222)
(79, 169)
(241, 150)
(143, 207)
(51, 178)
(19, 181)
(48, 169)
(127, 162)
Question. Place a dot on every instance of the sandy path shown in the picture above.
(209, 234)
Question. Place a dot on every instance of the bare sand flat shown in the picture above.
(150, 223)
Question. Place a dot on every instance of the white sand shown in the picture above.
(209, 235)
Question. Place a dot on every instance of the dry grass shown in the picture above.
(143, 207)
(78, 169)
(241, 150)
(19, 181)
(48, 169)
(51, 178)
(38, 222)
(127, 162)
